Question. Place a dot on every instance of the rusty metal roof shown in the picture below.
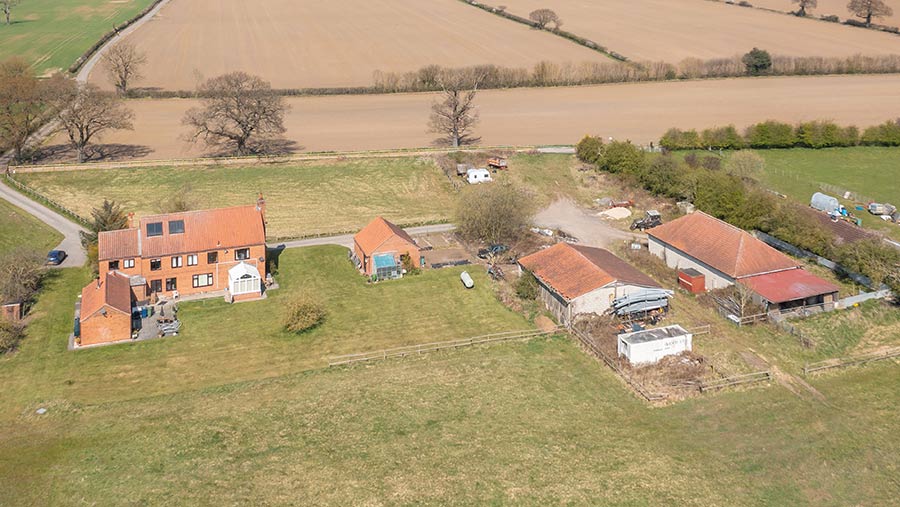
(112, 289)
(377, 233)
(575, 270)
(790, 285)
(727, 248)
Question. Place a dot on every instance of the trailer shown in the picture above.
(497, 163)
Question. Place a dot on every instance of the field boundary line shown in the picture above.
(435, 346)
(843, 362)
(50, 203)
(735, 380)
(262, 160)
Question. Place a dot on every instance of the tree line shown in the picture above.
(775, 134)
(731, 192)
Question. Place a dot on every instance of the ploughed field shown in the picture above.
(641, 112)
(831, 8)
(313, 43)
(672, 30)
(52, 34)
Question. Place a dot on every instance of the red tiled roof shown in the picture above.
(731, 250)
(113, 289)
(203, 230)
(119, 244)
(575, 270)
(790, 285)
(376, 233)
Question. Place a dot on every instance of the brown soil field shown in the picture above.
(640, 112)
(830, 7)
(315, 43)
(671, 30)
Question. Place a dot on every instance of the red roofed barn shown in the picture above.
(378, 247)
(577, 279)
(726, 255)
(105, 315)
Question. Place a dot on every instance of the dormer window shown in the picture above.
(176, 226)
(154, 229)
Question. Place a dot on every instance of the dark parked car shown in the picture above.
(484, 253)
(56, 257)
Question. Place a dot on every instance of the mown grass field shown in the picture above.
(52, 34)
(223, 343)
(18, 229)
(302, 199)
(534, 423)
(868, 171)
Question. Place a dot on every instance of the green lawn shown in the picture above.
(538, 423)
(18, 229)
(223, 343)
(868, 171)
(302, 198)
(52, 34)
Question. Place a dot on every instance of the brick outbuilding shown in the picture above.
(379, 246)
(106, 310)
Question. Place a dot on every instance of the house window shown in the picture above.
(212, 257)
(176, 261)
(242, 254)
(128, 263)
(155, 285)
(171, 284)
(203, 280)
(192, 260)
(176, 226)
(154, 229)
(155, 264)
(113, 265)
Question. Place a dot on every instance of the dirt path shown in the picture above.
(567, 216)
(796, 385)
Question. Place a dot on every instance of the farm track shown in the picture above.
(641, 112)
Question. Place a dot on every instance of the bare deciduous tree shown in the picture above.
(544, 17)
(868, 9)
(24, 104)
(494, 213)
(122, 64)
(745, 164)
(86, 112)
(805, 5)
(455, 116)
(7, 6)
(240, 112)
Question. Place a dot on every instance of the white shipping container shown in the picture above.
(650, 345)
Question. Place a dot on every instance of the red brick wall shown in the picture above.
(112, 327)
(396, 245)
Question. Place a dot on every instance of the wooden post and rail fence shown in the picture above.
(850, 361)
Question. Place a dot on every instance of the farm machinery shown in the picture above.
(651, 219)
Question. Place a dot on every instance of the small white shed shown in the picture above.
(244, 279)
(474, 176)
(650, 345)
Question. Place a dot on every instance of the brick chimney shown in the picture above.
(261, 206)
(131, 220)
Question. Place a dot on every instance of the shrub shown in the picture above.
(302, 313)
(11, 333)
(527, 286)
(856, 23)
(722, 138)
(676, 139)
(495, 213)
(826, 134)
(770, 134)
(406, 261)
(621, 157)
(746, 165)
(757, 61)
(664, 177)
(21, 273)
(886, 134)
(831, 18)
(588, 149)
(692, 160)
(711, 162)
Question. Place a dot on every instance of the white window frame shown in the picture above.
(177, 261)
(192, 260)
(128, 263)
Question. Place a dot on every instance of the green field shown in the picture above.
(867, 171)
(524, 424)
(18, 229)
(52, 34)
(302, 198)
(223, 343)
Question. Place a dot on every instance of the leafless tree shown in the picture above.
(122, 64)
(805, 5)
(7, 6)
(494, 213)
(544, 17)
(21, 272)
(24, 104)
(455, 116)
(868, 9)
(240, 112)
(86, 112)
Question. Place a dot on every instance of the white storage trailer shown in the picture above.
(648, 346)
